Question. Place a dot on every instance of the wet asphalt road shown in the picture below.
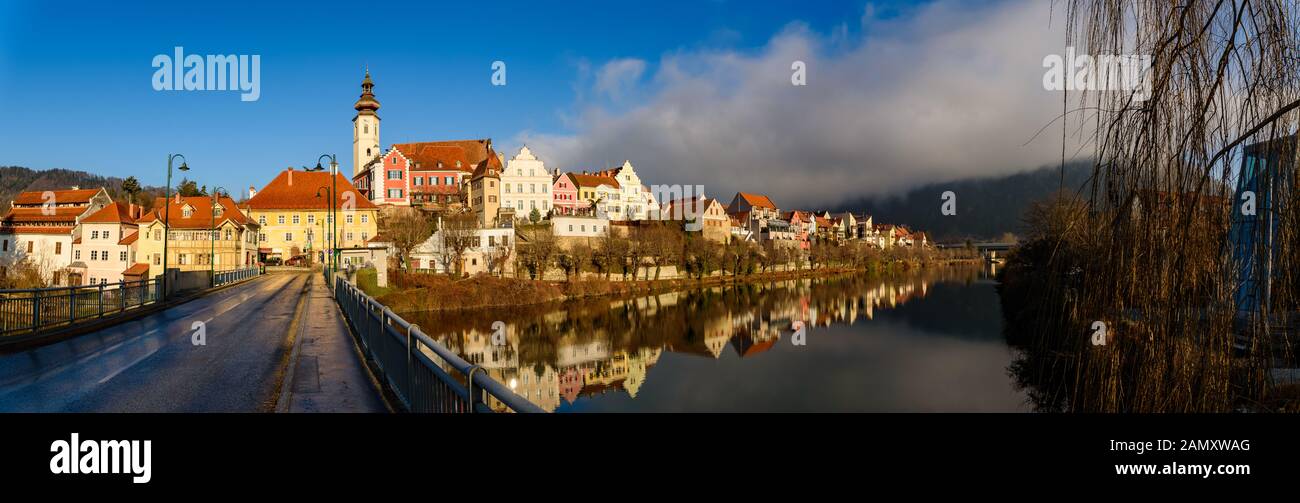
(152, 365)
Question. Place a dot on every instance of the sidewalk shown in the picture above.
(326, 373)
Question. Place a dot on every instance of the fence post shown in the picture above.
(410, 368)
(101, 300)
(72, 305)
(36, 310)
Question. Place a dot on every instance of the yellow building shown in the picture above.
(190, 245)
(293, 214)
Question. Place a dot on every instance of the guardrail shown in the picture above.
(406, 356)
(235, 276)
(36, 309)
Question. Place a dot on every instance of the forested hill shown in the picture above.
(15, 179)
(987, 208)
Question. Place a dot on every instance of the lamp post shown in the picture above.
(167, 213)
(212, 250)
(334, 221)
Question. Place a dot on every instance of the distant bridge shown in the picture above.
(991, 250)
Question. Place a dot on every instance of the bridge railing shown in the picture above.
(425, 375)
(37, 309)
(235, 276)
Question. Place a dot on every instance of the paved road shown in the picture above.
(151, 364)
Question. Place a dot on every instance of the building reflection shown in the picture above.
(579, 350)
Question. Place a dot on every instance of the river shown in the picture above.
(921, 341)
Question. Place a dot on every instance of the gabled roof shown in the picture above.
(681, 207)
(136, 270)
(471, 153)
(586, 180)
(296, 190)
(757, 200)
(130, 238)
(200, 218)
(75, 196)
(116, 213)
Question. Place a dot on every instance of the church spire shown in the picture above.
(367, 104)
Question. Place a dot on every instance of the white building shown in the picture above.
(106, 247)
(635, 202)
(576, 226)
(41, 226)
(493, 244)
(526, 186)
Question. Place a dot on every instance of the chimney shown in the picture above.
(251, 191)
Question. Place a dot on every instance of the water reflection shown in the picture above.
(925, 341)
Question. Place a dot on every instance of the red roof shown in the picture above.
(136, 270)
(200, 216)
(41, 229)
(19, 216)
(584, 180)
(757, 200)
(115, 213)
(77, 196)
(296, 190)
(130, 238)
(471, 153)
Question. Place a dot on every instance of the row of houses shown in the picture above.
(83, 237)
(469, 175)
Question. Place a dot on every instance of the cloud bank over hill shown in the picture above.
(948, 90)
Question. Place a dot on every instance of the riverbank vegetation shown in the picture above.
(1125, 295)
(645, 262)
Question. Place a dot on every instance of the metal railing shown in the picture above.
(235, 275)
(36, 309)
(408, 359)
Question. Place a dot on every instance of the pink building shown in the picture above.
(564, 195)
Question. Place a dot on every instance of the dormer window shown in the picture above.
(457, 164)
(187, 211)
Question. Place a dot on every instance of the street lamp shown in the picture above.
(329, 263)
(212, 251)
(334, 221)
(167, 213)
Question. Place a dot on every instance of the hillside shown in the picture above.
(15, 179)
(986, 207)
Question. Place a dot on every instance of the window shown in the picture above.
(261, 237)
(419, 180)
(94, 254)
(348, 218)
(94, 234)
(156, 259)
(311, 219)
(261, 220)
(364, 236)
(435, 180)
(395, 193)
(5, 245)
(394, 174)
(288, 236)
(76, 255)
(280, 220)
(227, 234)
(58, 248)
(449, 182)
(121, 256)
(348, 236)
(296, 220)
(187, 212)
(365, 218)
(507, 186)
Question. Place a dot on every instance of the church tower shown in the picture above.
(365, 127)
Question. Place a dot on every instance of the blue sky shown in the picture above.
(75, 78)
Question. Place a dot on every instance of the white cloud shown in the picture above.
(616, 76)
(942, 92)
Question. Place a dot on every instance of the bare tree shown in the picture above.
(408, 230)
(460, 233)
